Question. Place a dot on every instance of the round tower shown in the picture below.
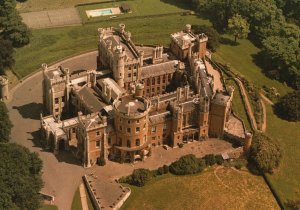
(248, 141)
(131, 123)
(119, 62)
(188, 28)
(139, 90)
(3, 88)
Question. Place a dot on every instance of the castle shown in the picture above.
(137, 98)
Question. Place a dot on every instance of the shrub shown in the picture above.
(238, 165)
(140, 177)
(101, 161)
(293, 205)
(219, 159)
(166, 169)
(160, 171)
(265, 153)
(209, 159)
(187, 164)
(180, 145)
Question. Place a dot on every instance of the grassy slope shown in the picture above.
(49, 45)
(287, 179)
(48, 207)
(38, 5)
(76, 203)
(230, 190)
(138, 8)
(240, 58)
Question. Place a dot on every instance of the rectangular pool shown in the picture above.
(99, 12)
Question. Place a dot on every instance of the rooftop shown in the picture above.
(220, 98)
(129, 105)
(90, 99)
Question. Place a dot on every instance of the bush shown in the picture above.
(209, 159)
(238, 165)
(101, 161)
(187, 164)
(160, 171)
(166, 169)
(213, 36)
(293, 205)
(265, 153)
(219, 159)
(140, 177)
(288, 106)
(180, 145)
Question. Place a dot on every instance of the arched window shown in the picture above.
(128, 143)
(137, 142)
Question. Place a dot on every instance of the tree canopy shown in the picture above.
(6, 55)
(5, 124)
(11, 26)
(288, 106)
(265, 153)
(238, 27)
(187, 164)
(20, 180)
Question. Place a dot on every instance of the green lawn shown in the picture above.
(138, 8)
(286, 179)
(48, 207)
(49, 45)
(39, 5)
(76, 203)
(223, 188)
(240, 58)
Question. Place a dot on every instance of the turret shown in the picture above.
(248, 142)
(100, 33)
(118, 68)
(122, 28)
(202, 41)
(188, 28)
(3, 88)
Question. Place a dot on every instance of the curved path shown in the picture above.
(62, 175)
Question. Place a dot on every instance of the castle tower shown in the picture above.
(122, 28)
(3, 88)
(188, 28)
(202, 41)
(177, 126)
(131, 123)
(203, 117)
(118, 68)
(248, 142)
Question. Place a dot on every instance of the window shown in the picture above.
(98, 144)
(128, 121)
(120, 119)
(56, 100)
(137, 142)
(137, 121)
(73, 130)
(153, 129)
(56, 110)
(164, 79)
(148, 82)
(148, 91)
(153, 81)
(134, 74)
(128, 130)
(158, 88)
(137, 129)
(169, 77)
(120, 128)
(158, 80)
(109, 140)
(153, 138)
(98, 133)
(128, 143)
(129, 75)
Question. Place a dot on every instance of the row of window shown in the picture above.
(154, 81)
(137, 129)
(129, 121)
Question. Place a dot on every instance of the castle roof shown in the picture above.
(220, 99)
(159, 69)
(90, 99)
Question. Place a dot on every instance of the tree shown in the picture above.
(209, 159)
(5, 124)
(288, 106)
(265, 153)
(6, 55)
(140, 177)
(11, 25)
(293, 204)
(213, 36)
(187, 164)
(238, 27)
(21, 180)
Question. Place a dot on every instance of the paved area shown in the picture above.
(62, 174)
(52, 18)
(217, 77)
(235, 127)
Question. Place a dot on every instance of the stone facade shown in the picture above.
(137, 98)
(4, 93)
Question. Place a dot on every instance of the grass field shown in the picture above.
(286, 180)
(49, 45)
(222, 188)
(39, 5)
(48, 207)
(138, 8)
